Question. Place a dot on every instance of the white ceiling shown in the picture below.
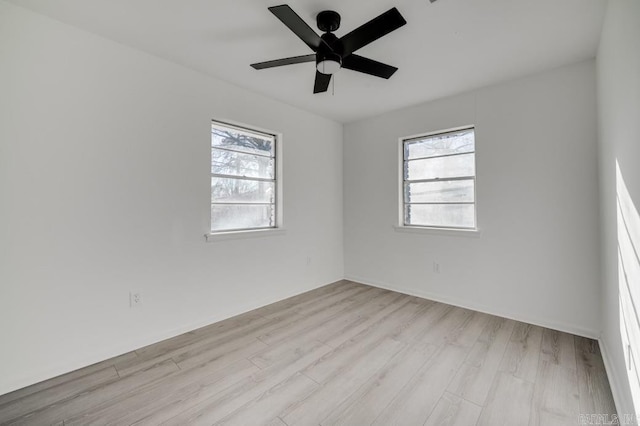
(447, 47)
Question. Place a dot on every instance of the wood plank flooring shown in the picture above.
(344, 354)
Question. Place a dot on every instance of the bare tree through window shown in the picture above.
(243, 178)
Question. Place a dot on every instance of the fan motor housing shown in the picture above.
(328, 21)
(331, 40)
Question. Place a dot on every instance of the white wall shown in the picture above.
(537, 257)
(104, 187)
(618, 66)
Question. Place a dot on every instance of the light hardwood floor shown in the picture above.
(343, 354)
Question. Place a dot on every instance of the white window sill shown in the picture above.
(471, 233)
(251, 233)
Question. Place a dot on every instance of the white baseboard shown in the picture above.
(542, 322)
(67, 367)
(614, 381)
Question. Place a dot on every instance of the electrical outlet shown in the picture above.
(135, 299)
(436, 267)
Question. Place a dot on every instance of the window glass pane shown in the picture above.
(444, 215)
(239, 164)
(443, 144)
(226, 217)
(440, 167)
(443, 191)
(238, 140)
(229, 190)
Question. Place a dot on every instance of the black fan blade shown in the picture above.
(285, 61)
(322, 82)
(368, 66)
(297, 25)
(372, 30)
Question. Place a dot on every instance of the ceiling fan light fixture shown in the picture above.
(328, 63)
(328, 66)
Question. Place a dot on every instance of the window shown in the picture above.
(243, 178)
(438, 183)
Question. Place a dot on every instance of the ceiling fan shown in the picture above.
(331, 52)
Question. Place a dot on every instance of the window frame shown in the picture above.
(401, 224)
(278, 227)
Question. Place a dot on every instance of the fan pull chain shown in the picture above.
(333, 85)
